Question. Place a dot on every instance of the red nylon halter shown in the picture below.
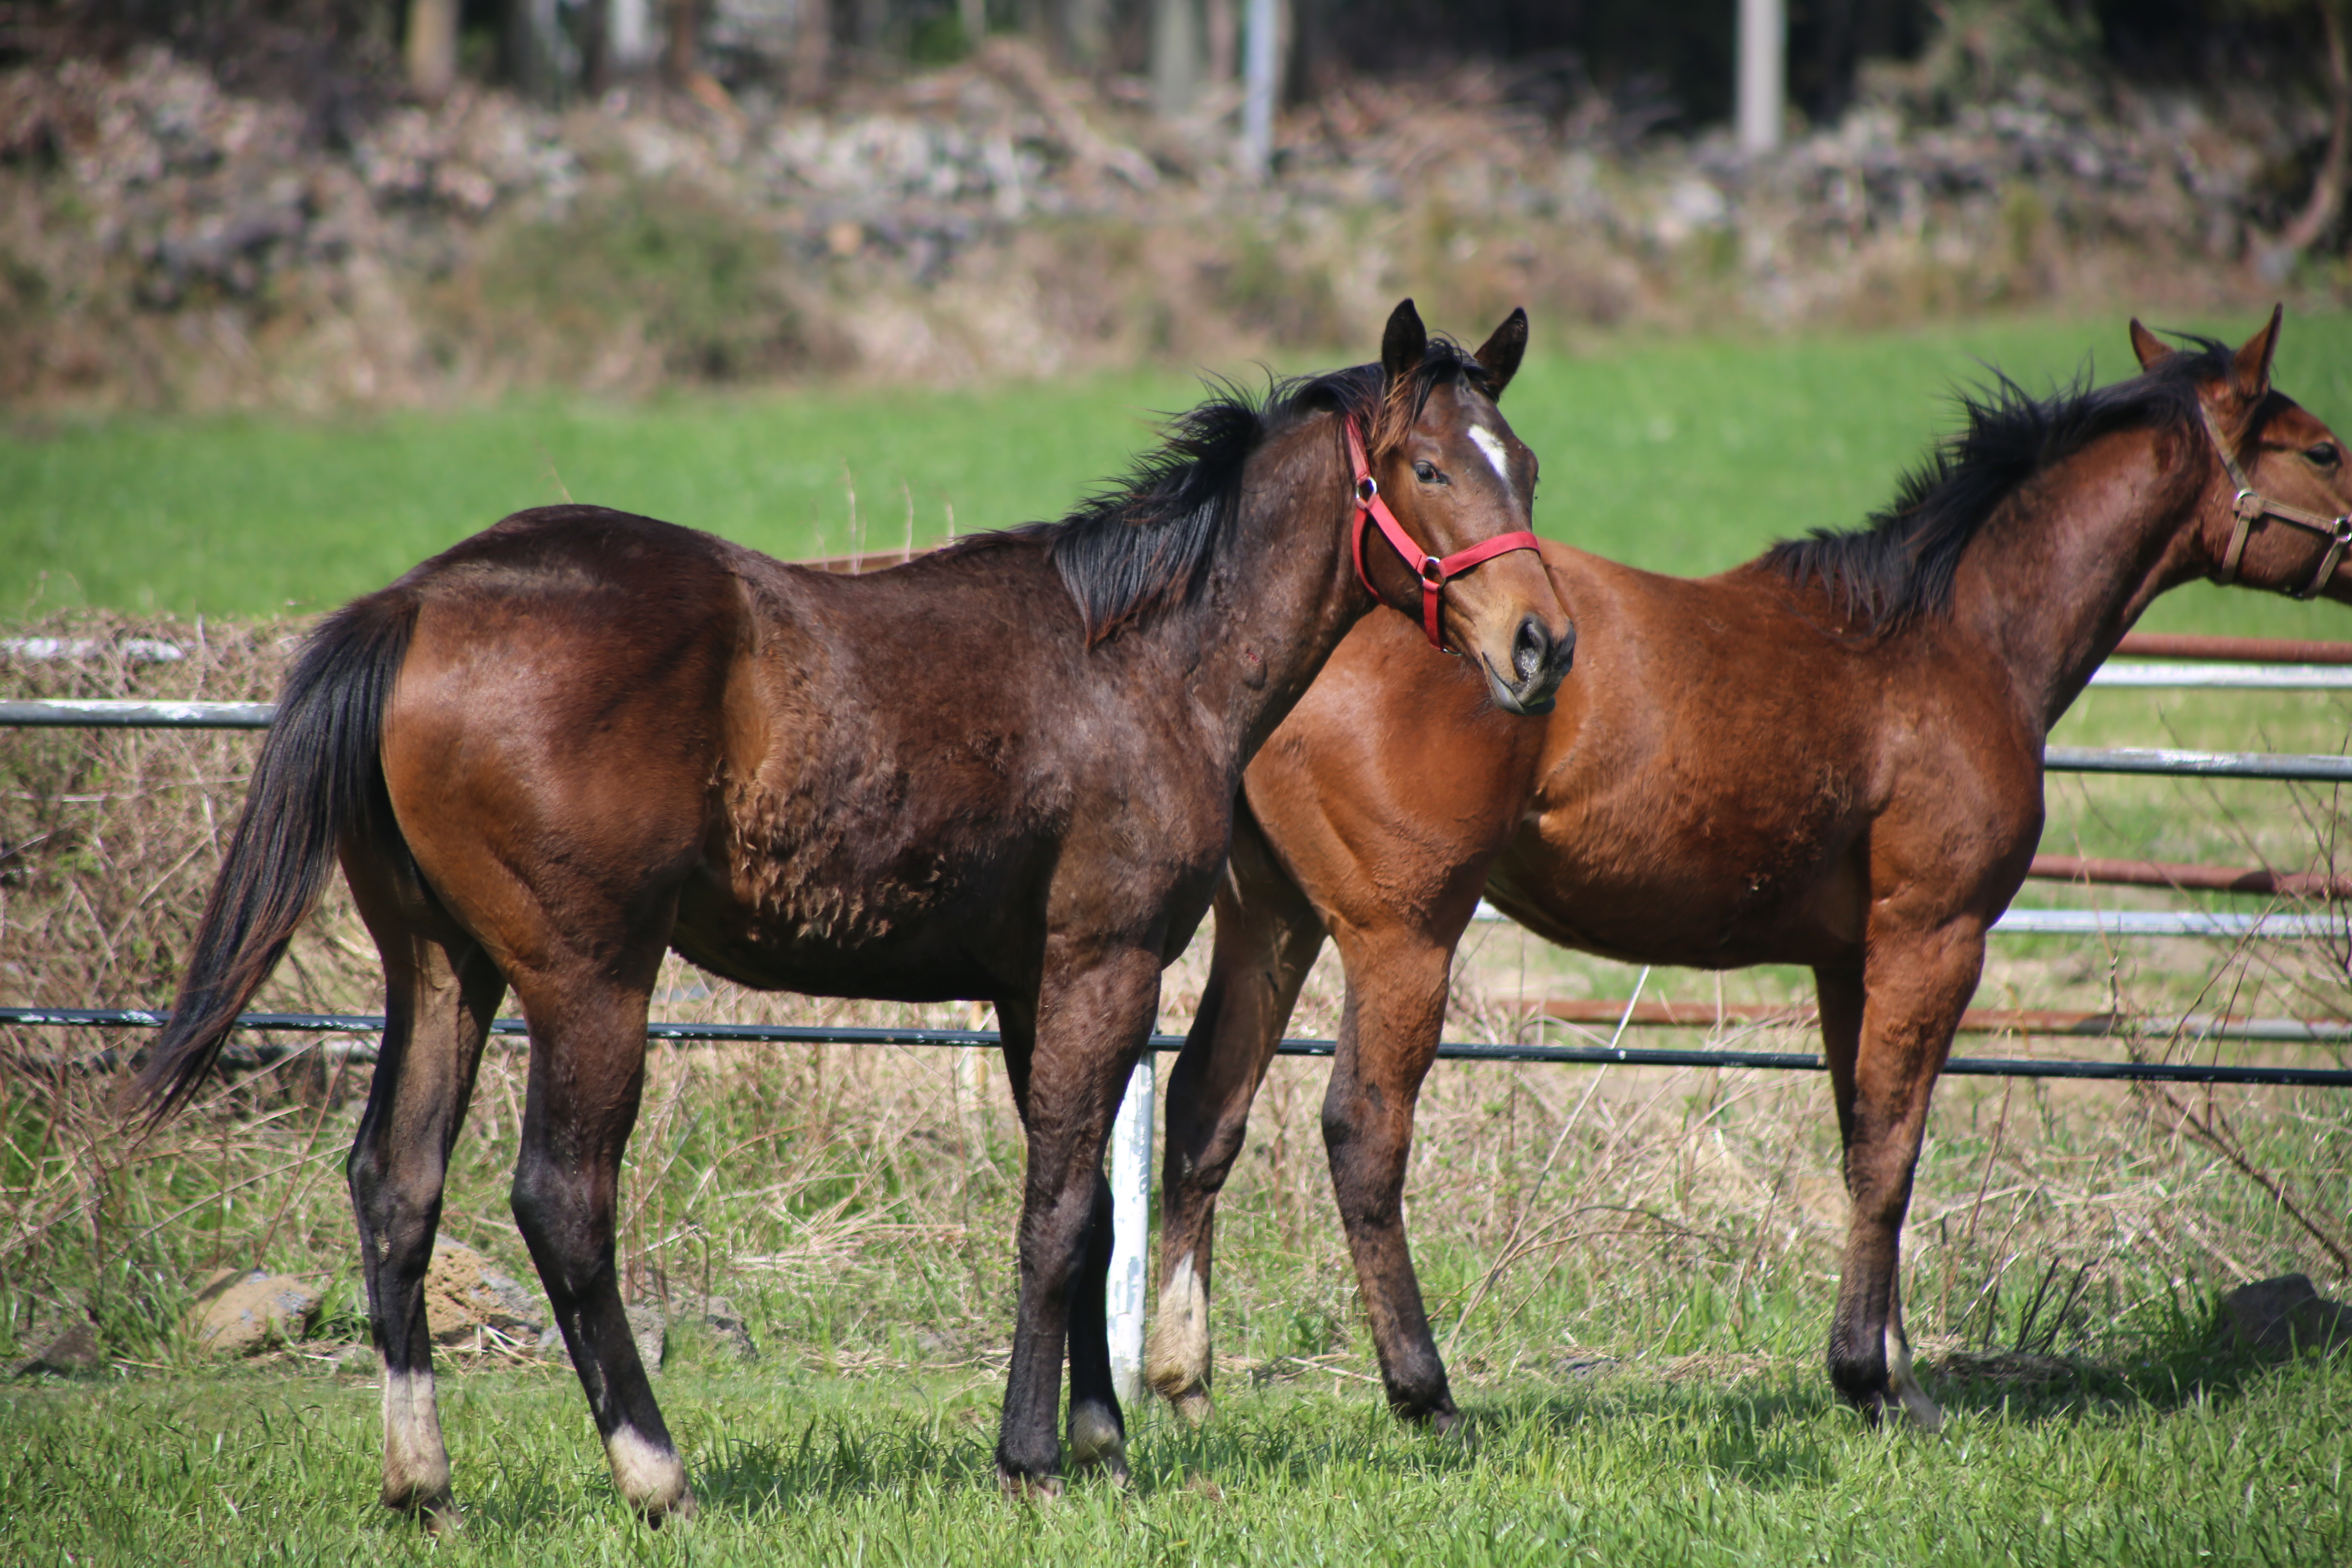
(1435, 574)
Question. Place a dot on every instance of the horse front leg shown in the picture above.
(587, 1077)
(1387, 1037)
(438, 1003)
(1885, 1032)
(1266, 938)
(1090, 1028)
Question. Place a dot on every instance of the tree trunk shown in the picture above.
(1224, 32)
(679, 61)
(2327, 188)
(1175, 56)
(537, 57)
(1085, 32)
(431, 48)
(812, 51)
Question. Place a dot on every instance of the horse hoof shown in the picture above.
(1193, 1406)
(679, 1509)
(1921, 1411)
(435, 1512)
(1029, 1489)
(1098, 1443)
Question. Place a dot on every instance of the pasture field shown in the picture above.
(1682, 457)
(1630, 1271)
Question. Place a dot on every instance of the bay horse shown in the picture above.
(1004, 772)
(1830, 756)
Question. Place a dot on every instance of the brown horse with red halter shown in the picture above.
(1005, 771)
(1830, 756)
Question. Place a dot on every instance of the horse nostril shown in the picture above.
(1529, 650)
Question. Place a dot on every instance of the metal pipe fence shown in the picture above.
(2265, 666)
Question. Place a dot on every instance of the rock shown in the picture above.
(72, 1352)
(464, 1294)
(650, 1328)
(727, 1326)
(2281, 1316)
(238, 1314)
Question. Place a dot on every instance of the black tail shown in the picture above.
(321, 775)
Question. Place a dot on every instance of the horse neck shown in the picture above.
(1282, 596)
(2069, 561)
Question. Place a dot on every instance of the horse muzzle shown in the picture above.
(1539, 662)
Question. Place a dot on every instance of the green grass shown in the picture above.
(1682, 457)
(2135, 1468)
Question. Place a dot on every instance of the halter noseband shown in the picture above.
(1435, 574)
(2252, 506)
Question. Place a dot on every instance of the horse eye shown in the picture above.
(1425, 472)
(2324, 455)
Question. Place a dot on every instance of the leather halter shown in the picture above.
(2252, 506)
(1435, 574)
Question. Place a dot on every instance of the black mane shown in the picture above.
(1145, 542)
(1900, 564)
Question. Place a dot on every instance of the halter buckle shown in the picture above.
(1432, 571)
(2248, 505)
(1368, 490)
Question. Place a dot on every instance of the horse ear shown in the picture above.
(2250, 367)
(2147, 345)
(1404, 342)
(1501, 353)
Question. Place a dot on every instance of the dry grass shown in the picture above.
(858, 1203)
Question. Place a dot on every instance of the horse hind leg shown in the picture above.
(587, 1077)
(1267, 935)
(1097, 1426)
(440, 996)
(1066, 1078)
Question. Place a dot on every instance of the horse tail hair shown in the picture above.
(319, 777)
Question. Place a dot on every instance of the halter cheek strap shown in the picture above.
(2252, 506)
(1434, 572)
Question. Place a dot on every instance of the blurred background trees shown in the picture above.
(1666, 67)
(369, 201)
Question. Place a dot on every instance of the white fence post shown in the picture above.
(1130, 1208)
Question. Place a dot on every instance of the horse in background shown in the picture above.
(1006, 771)
(1830, 756)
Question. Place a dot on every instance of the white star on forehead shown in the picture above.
(1489, 444)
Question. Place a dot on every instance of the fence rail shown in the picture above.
(2191, 1028)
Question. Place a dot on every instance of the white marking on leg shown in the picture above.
(1924, 1412)
(648, 1474)
(415, 1461)
(1178, 1361)
(1488, 442)
(1095, 1439)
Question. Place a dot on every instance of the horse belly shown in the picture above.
(1693, 911)
(853, 944)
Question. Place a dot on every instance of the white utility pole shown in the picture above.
(1130, 1223)
(1763, 72)
(629, 42)
(1259, 69)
